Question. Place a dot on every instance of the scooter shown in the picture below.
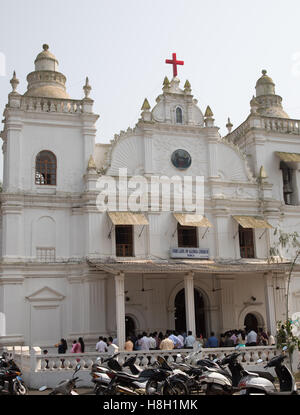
(65, 387)
(255, 385)
(220, 382)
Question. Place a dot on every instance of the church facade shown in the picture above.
(68, 269)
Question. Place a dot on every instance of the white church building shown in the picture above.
(69, 270)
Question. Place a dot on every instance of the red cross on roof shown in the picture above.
(174, 62)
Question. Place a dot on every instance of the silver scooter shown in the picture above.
(252, 384)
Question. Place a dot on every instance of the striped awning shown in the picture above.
(128, 218)
(252, 222)
(293, 157)
(189, 219)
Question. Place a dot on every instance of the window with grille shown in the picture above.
(124, 240)
(288, 187)
(246, 242)
(187, 236)
(45, 168)
(45, 254)
(178, 115)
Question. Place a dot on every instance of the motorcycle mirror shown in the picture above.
(237, 347)
(259, 361)
(43, 388)
(78, 367)
(284, 348)
(215, 360)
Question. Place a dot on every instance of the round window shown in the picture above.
(181, 159)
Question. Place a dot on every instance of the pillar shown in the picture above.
(270, 305)
(120, 309)
(190, 302)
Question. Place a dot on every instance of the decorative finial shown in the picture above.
(254, 105)
(14, 82)
(264, 72)
(187, 86)
(208, 112)
(87, 88)
(45, 47)
(146, 105)
(229, 125)
(91, 163)
(166, 82)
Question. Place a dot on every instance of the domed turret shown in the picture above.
(46, 81)
(267, 103)
(265, 85)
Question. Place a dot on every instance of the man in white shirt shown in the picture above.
(112, 348)
(101, 346)
(152, 342)
(144, 342)
(190, 340)
(251, 338)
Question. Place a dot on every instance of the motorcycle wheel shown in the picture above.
(20, 388)
(176, 388)
(152, 387)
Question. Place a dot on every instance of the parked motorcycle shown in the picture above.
(65, 387)
(156, 379)
(11, 382)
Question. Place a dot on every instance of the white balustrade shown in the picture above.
(37, 104)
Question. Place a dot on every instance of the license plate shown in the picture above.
(243, 392)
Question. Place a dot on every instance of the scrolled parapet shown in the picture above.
(242, 155)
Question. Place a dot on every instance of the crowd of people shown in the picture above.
(172, 340)
(179, 340)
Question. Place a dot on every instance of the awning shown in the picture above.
(189, 219)
(293, 157)
(252, 222)
(128, 218)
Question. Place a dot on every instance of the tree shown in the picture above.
(286, 242)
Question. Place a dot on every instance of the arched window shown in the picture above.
(178, 115)
(45, 168)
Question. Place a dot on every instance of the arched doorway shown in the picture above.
(250, 322)
(180, 315)
(130, 326)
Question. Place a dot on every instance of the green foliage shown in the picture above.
(286, 338)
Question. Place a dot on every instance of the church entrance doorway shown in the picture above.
(251, 322)
(130, 326)
(180, 315)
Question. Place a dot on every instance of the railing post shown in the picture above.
(35, 364)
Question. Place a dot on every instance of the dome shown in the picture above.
(46, 81)
(46, 60)
(265, 85)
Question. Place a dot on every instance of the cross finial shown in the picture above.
(174, 62)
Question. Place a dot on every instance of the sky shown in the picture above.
(122, 47)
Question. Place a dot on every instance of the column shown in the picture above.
(190, 302)
(270, 306)
(120, 309)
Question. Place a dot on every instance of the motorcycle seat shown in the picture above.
(246, 372)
